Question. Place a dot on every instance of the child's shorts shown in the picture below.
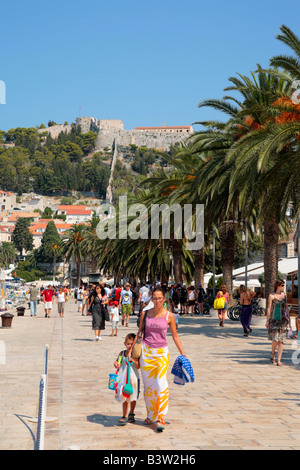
(115, 325)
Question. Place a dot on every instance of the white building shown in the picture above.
(77, 216)
(7, 201)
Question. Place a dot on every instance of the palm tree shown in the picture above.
(56, 251)
(73, 247)
(213, 179)
(8, 254)
(143, 258)
(90, 241)
(175, 189)
(232, 176)
(290, 64)
(254, 157)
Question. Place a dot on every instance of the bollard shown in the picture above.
(6, 320)
(42, 414)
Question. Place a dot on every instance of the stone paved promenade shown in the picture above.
(238, 401)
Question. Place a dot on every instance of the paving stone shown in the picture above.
(238, 401)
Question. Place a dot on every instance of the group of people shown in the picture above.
(48, 295)
(278, 320)
(183, 298)
(159, 309)
(151, 358)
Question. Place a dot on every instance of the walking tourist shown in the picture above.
(200, 298)
(144, 290)
(175, 297)
(191, 300)
(125, 302)
(154, 360)
(129, 400)
(48, 295)
(33, 292)
(277, 320)
(145, 302)
(80, 297)
(97, 306)
(114, 317)
(85, 301)
(61, 299)
(224, 294)
(182, 298)
(246, 314)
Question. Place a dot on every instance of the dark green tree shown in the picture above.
(50, 249)
(21, 237)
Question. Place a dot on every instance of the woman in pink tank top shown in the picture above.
(154, 361)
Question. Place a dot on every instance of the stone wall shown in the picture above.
(156, 140)
(55, 130)
(110, 130)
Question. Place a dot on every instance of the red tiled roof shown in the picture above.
(16, 215)
(78, 212)
(67, 207)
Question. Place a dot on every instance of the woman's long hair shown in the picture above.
(278, 283)
(103, 291)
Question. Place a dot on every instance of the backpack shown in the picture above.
(80, 295)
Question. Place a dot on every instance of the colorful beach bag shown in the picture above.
(113, 377)
(219, 303)
(127, 389)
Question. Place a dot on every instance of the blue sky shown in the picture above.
(146, 63)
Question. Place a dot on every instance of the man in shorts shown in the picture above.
(126, 302)
(48, 295)
(80, 298)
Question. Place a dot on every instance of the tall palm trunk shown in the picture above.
(177, 263)
(78, 272)
(199, 256)
(271, 238)
(54, 266)
(227, 242)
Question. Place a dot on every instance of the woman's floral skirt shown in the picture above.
(154, 365)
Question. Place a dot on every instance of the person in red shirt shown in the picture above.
(48, 297)
(117, 293)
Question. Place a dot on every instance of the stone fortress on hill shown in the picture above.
(111, 131)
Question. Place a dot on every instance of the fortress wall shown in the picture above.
(88, 124)
(55, 130)
(109, 130)
(149, 139)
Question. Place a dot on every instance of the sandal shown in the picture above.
(131, 418)
(160, 426)
(272, 358)
(148, 421)
(126, 324)
(123, 420)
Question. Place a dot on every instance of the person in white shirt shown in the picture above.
(61, 298)
(80, 297)
(146, 296)
(114, 318)
(144, 289)
(191, 300)
(107, 290)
